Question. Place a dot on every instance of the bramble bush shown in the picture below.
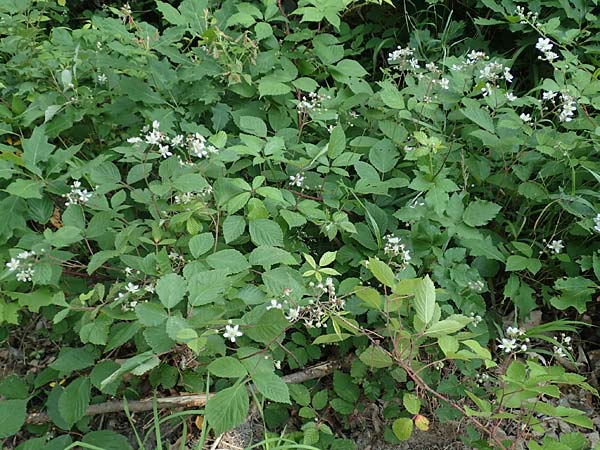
(203, 196)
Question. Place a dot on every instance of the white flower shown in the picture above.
(25, 274)
(154, 137)
(508, 345)
(149, 288)
(277, 364)
(525, 117)
(134, 140)
(132, 288)
(232, 332)
(414, 63)
(177, 140)
(548, 95)
(77, 195)
(13, 264)
(274, 304)
(445, 83)
(597, 222)
(297, 180)
(155, 124)
(556, 246)
(102, 78)
(511, 97)
(293, 314)
(507, 75)
(514, 332)
(544, 45)
(163, 150)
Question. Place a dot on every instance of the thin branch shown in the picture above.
(186, 401)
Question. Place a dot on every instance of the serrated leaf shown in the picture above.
(376, 357)
(227, 408)
(36, 150)
(74, 400)
(201, 243)
(424, 301)
(233, 228)
(171, 289)
(227, 367)
(12, 416)
(480, 212)
(266, 232)
(382, 272)
(403, 428)
(272, 387)
(412, 403)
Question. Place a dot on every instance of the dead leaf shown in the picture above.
(56, 220)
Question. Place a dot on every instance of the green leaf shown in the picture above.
(383, 155)
(253, 125)
(107, 440)
(391, 96)
(266, 232)
(231, 260)
(375, 357)
(227, 367)
(268, 86)
(272, 387)
(480, 212)
(150, 314)
(12, 416)
(412, 403)
(233, 228)
(447, 326)
(337, 142)
(25, 188)
(63, 237)
(36, 150)
(139, 91)
(74, 400)
(478, 115)
(271, 325)
(424, 302)
(171, 289)
(227, 408)
(201, 243)
(170, 14)
(483, 247)
(266, 256)
(72, 359)
(403, 428)
(382, 272)
(327, 258)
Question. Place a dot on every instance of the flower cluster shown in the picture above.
(395, 248)
(188, 197)
(545, 46)
(195, 143)
(314, 102)
(197, 146)
(569, 106)
(297, 180)
(565, 344)
(22, 265)
(77, 196)
(556, 246)
(319, 309)
(597, 222)
(401, 55)
(476, 286)
(525, 18)
(477, 319)
(514, 341)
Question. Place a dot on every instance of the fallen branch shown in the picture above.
(191, 400)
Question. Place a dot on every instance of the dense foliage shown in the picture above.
(201, 195)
